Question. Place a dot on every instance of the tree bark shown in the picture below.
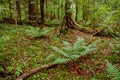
(84, 12)
(10, 9)
(31, 5)
(76, 17)
(18, 8)
(42, 14)
(67, 20)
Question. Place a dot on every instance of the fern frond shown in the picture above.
(44, 31)
(60, 60)
(78, 43)
(50, 56)
(74, 57)
(61, 52)
(36, 32)
(113, 72)
(67, 47)
(66, 44)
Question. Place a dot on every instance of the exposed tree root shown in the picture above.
(35, 70)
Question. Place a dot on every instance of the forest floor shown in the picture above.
(22, 54)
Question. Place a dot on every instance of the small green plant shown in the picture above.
(116, 47)
(3, 41)
(16, 68)
(71, 53)
(2, 45)
(36, 32)
(113, 72)
(3, 56)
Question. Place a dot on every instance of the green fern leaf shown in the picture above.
(61, 60)
(74, 57)
(44, 31)
(78, 44)
(68, 48)
(50, 57)
(113, 71)
(61, 52)
(36, 32)
(67, 45)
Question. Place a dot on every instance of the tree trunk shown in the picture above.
(76, 18)
(84, 12)
(18, 8)
(10, 9)
(68, 21)
(31, 5)
(58, 10)
(42, 14)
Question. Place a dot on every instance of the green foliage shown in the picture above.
(2, 45)
(36, 32)
(3, 56)
(116, 47)
(53, 22)
(3, 41)
(71, 53)
(102, 14)
(16, 68)
(113, 72)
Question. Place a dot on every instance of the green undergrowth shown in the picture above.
(18, 54)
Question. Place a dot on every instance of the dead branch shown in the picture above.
(35, 70)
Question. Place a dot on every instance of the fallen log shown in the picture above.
(35, 70)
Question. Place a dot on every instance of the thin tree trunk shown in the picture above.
(18, 8)
(42, 14)
(76, 18)
(84, 19)
(10, 9)
(31, 5)
(58, 10)
(16, 26)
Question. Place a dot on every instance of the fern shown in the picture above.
(36, 32)
(60, 51)
(70, 53)
(60, 60)
(116, 47)
(113, 72)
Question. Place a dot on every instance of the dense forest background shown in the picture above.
(59, 39)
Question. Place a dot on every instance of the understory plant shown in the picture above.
(2, 56)
(116, 47)
(113, 72)
(71, 53)
(36, 32)
(3, 41)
